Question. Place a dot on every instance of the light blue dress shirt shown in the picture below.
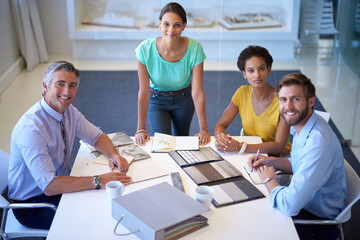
(169, 76)
(318, 184)
(37, 148)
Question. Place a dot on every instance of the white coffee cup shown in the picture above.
(203, 194)
(114, 189)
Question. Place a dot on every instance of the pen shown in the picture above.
(256, 157)
(116, 164)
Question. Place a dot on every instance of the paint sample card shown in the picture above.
(212, 172)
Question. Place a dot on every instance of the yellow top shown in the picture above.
(263, 125)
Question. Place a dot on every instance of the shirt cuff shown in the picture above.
(274, 194)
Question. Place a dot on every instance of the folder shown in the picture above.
(186, 158)
(237, 191)
(159, 212)
(211, 173)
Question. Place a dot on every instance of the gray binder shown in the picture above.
(154, 210)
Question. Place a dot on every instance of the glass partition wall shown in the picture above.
(348, 47)
(112, 29)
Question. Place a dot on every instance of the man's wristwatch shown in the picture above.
(97, 182)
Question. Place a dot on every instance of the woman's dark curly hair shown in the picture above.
(252, 51)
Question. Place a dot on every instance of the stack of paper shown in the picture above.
(185, 227)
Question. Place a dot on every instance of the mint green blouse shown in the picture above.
(169, 76)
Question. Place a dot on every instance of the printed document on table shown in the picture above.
(165, 143)
(138, 170)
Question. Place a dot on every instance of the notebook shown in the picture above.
(253, 174)
(165, 143)
(237, 191)
(187, 158)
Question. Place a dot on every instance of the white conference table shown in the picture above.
(87, 214)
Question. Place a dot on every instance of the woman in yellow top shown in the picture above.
(258, 107)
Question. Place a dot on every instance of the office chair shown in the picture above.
(10, 227)
(357, 18)
(318, 17)
(324, 115)
(353, 195)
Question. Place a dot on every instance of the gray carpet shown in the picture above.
(108, 99)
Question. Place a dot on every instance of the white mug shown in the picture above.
(114, 189)
(204, 194)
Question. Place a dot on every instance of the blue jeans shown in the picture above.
(164, 110)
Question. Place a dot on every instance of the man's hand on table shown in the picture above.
(114, 176)
(119, 161)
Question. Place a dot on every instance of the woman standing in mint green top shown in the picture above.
(170, 70)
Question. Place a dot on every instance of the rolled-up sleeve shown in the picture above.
(86, 130)
(35, 152)
(311, 172)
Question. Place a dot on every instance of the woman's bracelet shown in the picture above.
(243, 147)
(236, 146)
(140, 130)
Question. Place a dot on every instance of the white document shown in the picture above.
(145, 170)
(102, 159)
(138, 171)
(253, 174)
(166, 143)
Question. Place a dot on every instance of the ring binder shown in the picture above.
(176, 213)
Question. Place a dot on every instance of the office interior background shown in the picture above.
(71, 32)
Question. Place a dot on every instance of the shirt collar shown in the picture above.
(307, 127)
(50, 111)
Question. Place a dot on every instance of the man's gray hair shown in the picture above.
(59, 65)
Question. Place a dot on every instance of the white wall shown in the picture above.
(53, 16)
(8, 45)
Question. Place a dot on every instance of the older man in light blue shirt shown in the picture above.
(318, 186)
(41, 144)
(37, 155)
